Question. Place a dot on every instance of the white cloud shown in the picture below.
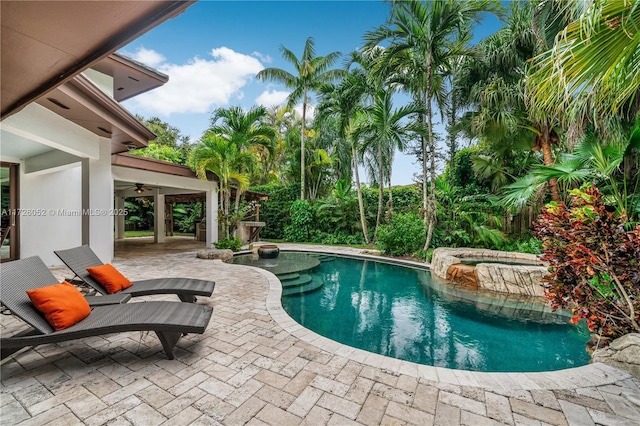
(148, 57)
(200, 83)
(264, 58)
(272, 97)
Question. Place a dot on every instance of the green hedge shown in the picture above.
(276, 211)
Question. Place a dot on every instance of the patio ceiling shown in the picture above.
(46, 43)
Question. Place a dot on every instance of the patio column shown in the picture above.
(120, 217)
(212, 216)
(158, 216)
(86, 201)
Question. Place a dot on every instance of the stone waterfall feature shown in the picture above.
(521, 274)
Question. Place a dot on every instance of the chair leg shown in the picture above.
(187, 298)
(8, 351)
(169, 340)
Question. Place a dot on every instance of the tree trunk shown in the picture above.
(237, 205)
(363, 218)
(423, 142)
(227, 201)
(431, 201)
(390, 211)
(453, 144)
(380, 191)
(302, 150)
(545, 144)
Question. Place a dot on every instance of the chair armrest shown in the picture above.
(111, 299)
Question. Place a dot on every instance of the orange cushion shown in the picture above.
(62, 304)
(109, 277)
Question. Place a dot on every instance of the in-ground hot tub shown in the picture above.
(500, 271)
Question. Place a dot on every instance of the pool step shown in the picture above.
(315, 284)
(325, 258)
(285, 277)
(296, 282)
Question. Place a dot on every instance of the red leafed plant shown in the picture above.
(594, 263)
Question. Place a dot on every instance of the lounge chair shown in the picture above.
(78, 259)
(169, 320)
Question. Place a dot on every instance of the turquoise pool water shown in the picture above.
(407, 314)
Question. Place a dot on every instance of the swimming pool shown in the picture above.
(406, 313)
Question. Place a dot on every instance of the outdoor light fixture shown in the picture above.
(139, 189)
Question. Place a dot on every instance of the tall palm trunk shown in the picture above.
(544, 140)
(380, 191)
(302, 150)
(431, 200)
(225, 209)
(363, 218)
(390, 211)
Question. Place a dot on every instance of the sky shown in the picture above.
(213, 51)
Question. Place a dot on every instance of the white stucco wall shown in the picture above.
(58, 195)
(51, 185)
(101, 222)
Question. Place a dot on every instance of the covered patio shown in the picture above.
(254, 365)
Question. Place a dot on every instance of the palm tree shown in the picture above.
(282, 119)
(424, 36)
(345, 102)
(593, 70)
(384, 130)
(246, 131)
(311, 72)
(594, 162)
(223, 158)
(495, 84)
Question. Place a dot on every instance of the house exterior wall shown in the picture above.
(101, 220)
(57, 195)
(51, 185)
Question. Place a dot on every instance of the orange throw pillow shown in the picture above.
(62, 304)
(109, 277)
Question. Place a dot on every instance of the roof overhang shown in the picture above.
(46, 43)
(152, 165)
(84, 104)
(130, 77)
(152, 174)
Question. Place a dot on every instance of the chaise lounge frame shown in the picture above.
(80, 258)
(169, 320)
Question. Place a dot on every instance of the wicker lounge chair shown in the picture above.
(78, 259)
(169, 320)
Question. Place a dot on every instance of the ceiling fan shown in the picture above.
(140, 188)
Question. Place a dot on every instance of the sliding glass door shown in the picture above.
(9, 250)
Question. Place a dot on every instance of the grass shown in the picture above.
(132, 234)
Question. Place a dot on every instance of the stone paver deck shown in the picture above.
(254, 365)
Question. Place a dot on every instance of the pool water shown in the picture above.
(407, 314)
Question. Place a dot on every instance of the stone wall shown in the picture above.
(623, 352)
(499, 277)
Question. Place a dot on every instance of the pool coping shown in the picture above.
(590, 375)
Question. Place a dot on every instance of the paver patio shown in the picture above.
(254, 365)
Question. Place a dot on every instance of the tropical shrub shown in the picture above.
(302, 222)
(276, 211)
(532, 245)
(594, 262)
(403, 235)
(339, 237)
(338, 213)
(234, 244)
(467, 217)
